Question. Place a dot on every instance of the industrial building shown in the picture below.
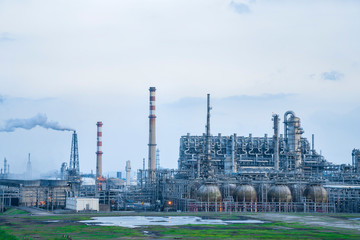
(282, 172)
(82, 204)
(49, 194)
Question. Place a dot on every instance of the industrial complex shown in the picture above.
(282, 172)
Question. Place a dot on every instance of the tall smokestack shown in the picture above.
(152, 135)
(99, 152)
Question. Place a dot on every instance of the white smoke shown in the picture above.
(39, 120)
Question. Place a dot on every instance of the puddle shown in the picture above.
(137, 221)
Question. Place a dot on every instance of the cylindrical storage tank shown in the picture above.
(316, 193)
(279, 193)
(209, 193)
(228, 189)
(245, 193)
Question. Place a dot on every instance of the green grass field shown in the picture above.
(13, 211)
(68, 227)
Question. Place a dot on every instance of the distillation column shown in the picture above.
(356, 160)
(207, 170)
(128, 171)
(276, 141)
(152, 136)
(99, 152)
(233, 160)
(293, 132)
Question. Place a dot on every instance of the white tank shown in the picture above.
(245, 193)
(279, 193)
(209, 193)
(316, 193)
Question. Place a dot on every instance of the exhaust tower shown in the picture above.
(152, 134)
(99, 152)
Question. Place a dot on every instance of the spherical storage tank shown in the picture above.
(209, 193)
(316, 193)
(245, 193)
(279, 193)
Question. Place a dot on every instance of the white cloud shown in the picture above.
(98, 58)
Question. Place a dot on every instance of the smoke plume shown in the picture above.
(39, 120)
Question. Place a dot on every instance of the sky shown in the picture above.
(73, 63)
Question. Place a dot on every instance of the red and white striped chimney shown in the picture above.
(152, 135)
(99, 152)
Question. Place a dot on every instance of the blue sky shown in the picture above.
(79, 62)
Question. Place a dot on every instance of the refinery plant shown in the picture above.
(283, 173)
